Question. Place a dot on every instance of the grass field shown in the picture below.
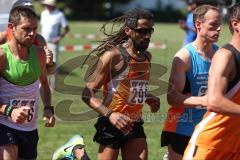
(51, 138)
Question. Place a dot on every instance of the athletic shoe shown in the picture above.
(66, 151)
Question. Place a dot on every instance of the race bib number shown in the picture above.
(20, 102)
(202, 92)
(138, 91)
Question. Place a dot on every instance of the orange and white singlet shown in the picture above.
(127, 92)
(216, 131)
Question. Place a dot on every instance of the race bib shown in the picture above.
(138, 91)
(20, 102)
(202, 92)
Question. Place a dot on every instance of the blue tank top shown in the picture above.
(198, 79)
(190, 34)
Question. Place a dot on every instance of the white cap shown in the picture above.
(49, 2)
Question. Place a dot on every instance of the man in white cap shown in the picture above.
(51, 22)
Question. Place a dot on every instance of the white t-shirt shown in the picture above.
(51, 23)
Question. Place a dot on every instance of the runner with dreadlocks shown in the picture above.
(123, 72)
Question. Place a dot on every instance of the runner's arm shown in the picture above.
(100, 76)
(180, 66)
(50, 65)
(95, 83)
(220, 74)
(45, 91)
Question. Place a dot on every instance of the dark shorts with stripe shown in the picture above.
(178, 142)
(25, 140)
(109, 136)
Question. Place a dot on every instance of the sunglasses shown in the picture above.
(143, 30)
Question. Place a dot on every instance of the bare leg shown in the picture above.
(9, 152)
(135, 149)
(106, 153)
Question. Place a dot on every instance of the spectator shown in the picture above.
(188, 25)
(52, 20)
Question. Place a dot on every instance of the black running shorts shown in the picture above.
(25, 140)
(109, 136)
(178, 142)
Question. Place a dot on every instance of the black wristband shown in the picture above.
(51, 108)
(108, 114)
(8, 111)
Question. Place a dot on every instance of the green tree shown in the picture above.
(94, 9)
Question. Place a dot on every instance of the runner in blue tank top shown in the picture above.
(198, 80)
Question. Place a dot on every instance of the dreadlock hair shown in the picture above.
(114, 38)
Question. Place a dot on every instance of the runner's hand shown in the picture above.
(49, 118)
(202, 102)
(19, 115)
(49, 55)
(121, 122)
(154, 103)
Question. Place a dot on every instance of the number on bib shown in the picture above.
(138, 91)
(25, 102)
(202, 92)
